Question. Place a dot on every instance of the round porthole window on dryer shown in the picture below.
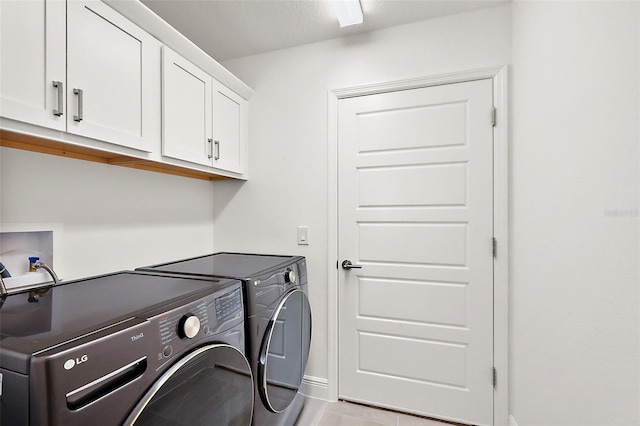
(284, 351)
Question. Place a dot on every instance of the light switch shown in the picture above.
(303, 235)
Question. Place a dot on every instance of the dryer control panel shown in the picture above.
(266, 289)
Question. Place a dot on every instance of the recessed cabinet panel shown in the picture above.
(108, 66)
(32, 42)
(186, 110)
(228, 116)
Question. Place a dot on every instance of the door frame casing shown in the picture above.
(499, 76)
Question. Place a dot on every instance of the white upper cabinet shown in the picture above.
(79, 67)
(109, 75)
(229, 129)
(100, 79)
(203, 121)
(186, 110)
(32, 62)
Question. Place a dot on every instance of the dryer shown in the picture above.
(278, 323)
(126, 348)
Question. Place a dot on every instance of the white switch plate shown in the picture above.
(303, 235)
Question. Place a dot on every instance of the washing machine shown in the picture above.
(126, 348)
(278, 323)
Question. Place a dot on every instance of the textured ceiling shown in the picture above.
(228, 29)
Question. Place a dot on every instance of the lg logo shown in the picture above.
(70, 363)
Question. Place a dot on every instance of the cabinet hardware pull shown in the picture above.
(80, 115)
(217, 143)
(210, 154)
(58, 84)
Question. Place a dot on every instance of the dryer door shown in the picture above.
(212, 385)
(284, 351)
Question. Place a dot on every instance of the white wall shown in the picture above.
(574, 281)
(113, 218)
(574, 184)
(288, 132)
(574, 188)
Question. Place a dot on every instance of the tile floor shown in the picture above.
(322, 413)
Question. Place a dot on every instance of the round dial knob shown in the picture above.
(289, 276)
(189, 326)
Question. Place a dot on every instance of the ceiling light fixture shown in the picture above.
(349, 12)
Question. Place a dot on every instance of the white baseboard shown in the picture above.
(512, 421)
(315, 387)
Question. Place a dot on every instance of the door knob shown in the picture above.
(348, 265)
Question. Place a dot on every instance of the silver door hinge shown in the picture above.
(495, 377)
(493, 117)
(495, 247)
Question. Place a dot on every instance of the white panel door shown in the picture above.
(416, 214)
(228, 129)
(32, 58)
(186, 110)
(108, 73)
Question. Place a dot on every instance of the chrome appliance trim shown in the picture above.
(171, 371)
(262, 359)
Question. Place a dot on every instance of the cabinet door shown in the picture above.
(229, 127)
(109, 70)
(186, 110)
(32, 42)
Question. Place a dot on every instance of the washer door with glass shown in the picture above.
(212, 385)
(284, 351)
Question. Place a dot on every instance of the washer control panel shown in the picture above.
(228, 304)
(172, 326)
(188, 326)
(213, 314)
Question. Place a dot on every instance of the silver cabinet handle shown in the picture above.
(210, 154)
(348, 265)
(60, 87)
(217, 143)
(78, 117)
